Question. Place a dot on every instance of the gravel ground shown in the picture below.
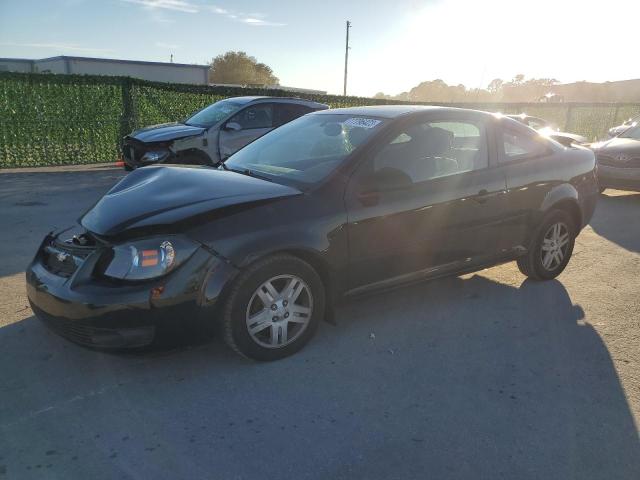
(480, 376)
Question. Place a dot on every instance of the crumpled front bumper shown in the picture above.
(101, 313)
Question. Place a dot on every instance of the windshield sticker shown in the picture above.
(361, 122)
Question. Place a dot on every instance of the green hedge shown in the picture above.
(48, 119)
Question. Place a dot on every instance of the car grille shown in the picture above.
(64, 258)
(132, 151)
(617, 161)
(74, 331)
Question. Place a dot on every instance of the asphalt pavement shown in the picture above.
(484, 376)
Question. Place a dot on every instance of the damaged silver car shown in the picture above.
(213, 133)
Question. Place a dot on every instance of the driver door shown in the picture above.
(427, 201)
(244, 127)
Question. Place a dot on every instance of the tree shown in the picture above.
(518, 79)
(495, 85)
(240, 68)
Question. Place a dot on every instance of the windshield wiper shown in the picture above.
(247, 172)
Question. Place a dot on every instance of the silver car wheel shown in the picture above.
(555, 244)
(279, 311)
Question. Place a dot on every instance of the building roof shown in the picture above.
(115, 60)
(26, 60)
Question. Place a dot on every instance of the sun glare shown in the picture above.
(472, 43)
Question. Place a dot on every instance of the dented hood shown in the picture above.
(166, 132)
(163, 197)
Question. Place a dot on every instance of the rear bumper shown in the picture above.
(93, 313)
(622, 178)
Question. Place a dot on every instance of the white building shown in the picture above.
(154, 71)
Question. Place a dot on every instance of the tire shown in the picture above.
(535, 264)
(279, 329)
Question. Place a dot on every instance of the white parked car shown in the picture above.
(214, 133)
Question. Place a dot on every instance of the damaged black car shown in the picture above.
(335, 203)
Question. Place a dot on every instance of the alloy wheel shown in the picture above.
(279, 311)
(555, 244)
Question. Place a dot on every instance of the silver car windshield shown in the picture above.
(633, 133)
(209, 116)
(306, 150)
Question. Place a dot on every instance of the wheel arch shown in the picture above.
(564, 197)
(315, 260)
(572, 208)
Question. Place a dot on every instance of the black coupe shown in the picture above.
(335, 203)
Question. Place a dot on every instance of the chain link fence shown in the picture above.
(48, 119)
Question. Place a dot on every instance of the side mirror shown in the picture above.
(233, 127)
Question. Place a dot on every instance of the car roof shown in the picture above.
(524, 116)
(393, 111)
(264, 98)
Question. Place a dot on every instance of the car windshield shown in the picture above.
(633, 133)
(212, 114)
(306, 150)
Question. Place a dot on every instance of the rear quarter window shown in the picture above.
(521, 144)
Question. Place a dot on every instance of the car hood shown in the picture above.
(618, 130)
(166, 132)
(166, 199)
(619, 145)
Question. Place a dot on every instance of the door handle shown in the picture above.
(369, 199)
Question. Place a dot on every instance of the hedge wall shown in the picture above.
(48, 119)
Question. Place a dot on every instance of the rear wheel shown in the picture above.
(274, 308)
(551, 247)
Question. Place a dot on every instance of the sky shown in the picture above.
(395, 44)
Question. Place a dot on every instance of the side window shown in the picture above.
(521, 145)
(285, 112)
(255, 116)
(434, 149)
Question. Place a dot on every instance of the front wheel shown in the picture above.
(551, 247)
(274, 308)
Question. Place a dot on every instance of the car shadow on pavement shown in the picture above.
(457, 378)
(617, 219)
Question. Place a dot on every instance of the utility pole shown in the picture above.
(346, 59)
